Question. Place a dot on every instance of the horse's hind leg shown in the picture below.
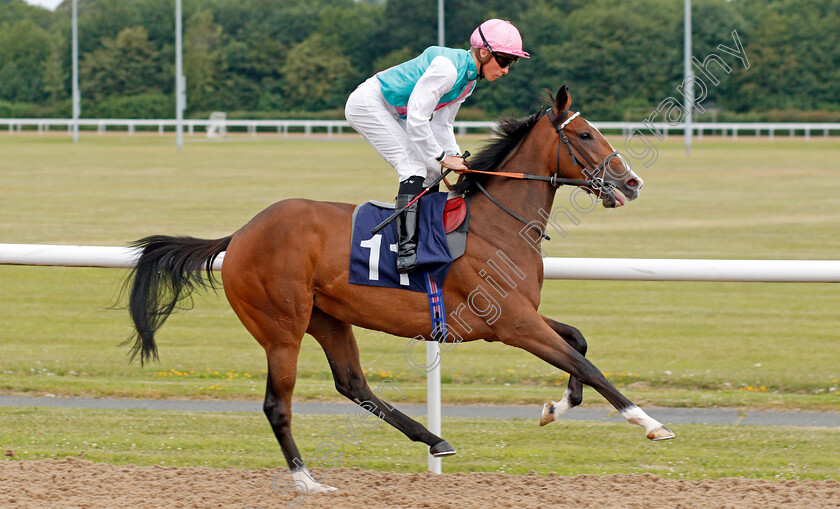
(337, 339)
(282, 371)
(573, 395)
(281, 340)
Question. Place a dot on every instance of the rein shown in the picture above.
(512, 213)
(596, 183)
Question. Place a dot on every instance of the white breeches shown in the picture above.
(377, 121)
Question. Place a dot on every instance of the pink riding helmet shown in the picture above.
(501, 36)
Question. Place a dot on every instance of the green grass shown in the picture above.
(675, 344)
(514, 446)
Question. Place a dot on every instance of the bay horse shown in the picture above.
(285, 273)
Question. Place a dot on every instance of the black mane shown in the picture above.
(509, 133)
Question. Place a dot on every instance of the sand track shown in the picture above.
(83, 484)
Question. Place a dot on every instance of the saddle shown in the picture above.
(442, 238)
(454, 213)
(456, 224)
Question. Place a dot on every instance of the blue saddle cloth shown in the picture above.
(373, 258)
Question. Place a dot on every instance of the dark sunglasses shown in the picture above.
(502, 60)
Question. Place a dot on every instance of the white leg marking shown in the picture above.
(312, 486)
(563, 405)
(552, 410)
(636, 415)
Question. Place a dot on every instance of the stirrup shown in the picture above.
(406, 262)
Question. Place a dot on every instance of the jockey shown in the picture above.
(407, 114)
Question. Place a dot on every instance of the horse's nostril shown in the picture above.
(633, 183)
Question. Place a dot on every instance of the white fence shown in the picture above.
(811, 271)
(626, 269)
(330, 127)
(45, 125)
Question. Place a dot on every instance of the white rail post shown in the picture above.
(433, 397)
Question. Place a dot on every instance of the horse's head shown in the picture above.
(584, 154)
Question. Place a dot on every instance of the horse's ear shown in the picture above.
(564, 99)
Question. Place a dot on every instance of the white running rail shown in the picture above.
(102, 125)
(625, 269)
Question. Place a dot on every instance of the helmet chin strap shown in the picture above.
(481, 64)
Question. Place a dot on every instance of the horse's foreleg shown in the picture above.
(337, 339)
(573, 395)
(548, 346)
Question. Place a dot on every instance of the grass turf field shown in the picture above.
(680, 344)
(514, 446)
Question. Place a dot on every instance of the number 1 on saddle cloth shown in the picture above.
(373, 258)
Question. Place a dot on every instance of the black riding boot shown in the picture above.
(407, 224)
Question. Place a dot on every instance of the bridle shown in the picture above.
(594, 183)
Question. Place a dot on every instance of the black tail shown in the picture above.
(167, 272)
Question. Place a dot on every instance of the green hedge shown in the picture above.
(137, 106)
(60, 109)
(150, 105)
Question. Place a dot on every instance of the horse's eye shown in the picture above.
(585, 136)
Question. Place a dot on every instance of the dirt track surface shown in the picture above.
(82, 484)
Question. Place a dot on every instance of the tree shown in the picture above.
(24, 54)
(613, 55)
(794, 54)
(409, 23)
(55, 74)
(13, 11)
(352, 29)
(393, 58)
(621, 59)
(316, 76)
(123, 66)
(202, 59)
(99, 21)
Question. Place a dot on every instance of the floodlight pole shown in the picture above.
(689, 78)
(433, 358)
(77, 108)
(180, 82)
(441, 30)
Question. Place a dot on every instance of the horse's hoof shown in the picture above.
(320, 488)
(661, 433)
(441, 449)
(547, 413)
